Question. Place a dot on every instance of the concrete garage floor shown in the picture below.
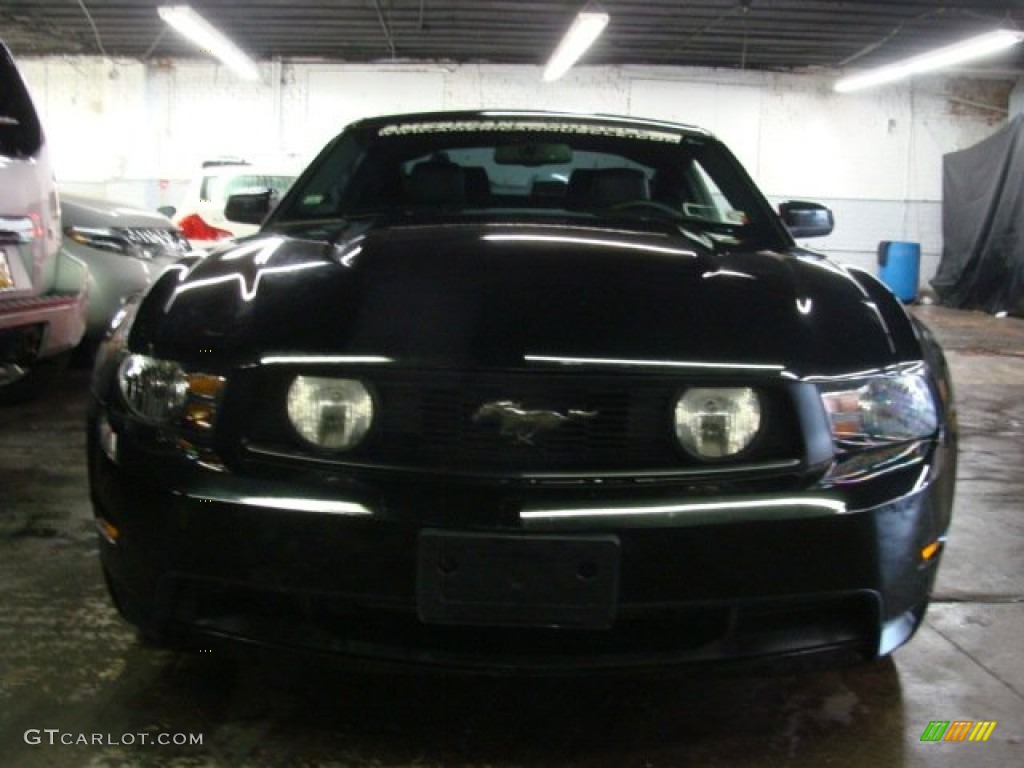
(68, 663)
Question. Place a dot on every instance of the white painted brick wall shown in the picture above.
(137, 131)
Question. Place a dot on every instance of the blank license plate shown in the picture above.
(519, 581)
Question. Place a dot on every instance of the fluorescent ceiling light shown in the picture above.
(209, 39)
(941, 58)
(585, 29)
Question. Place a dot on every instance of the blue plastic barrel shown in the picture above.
(899, 267)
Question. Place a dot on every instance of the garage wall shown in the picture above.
(136, 132)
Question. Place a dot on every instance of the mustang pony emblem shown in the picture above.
(522, 425)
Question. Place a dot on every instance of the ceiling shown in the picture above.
(781, 35)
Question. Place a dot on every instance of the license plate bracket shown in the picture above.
(6, 273)
(517, 581)
(13, 277)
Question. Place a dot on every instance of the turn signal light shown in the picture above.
(930, 550)
(108, 530)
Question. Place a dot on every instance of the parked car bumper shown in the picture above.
(38, 327)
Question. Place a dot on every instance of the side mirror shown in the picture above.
(248, 207)
(167, 210)
(804, 219)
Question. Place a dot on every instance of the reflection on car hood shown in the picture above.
(504, 295)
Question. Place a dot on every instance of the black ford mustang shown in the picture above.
(524, 391)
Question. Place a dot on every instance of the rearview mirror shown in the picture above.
(248, 207)
(533, 154)
(805, 219)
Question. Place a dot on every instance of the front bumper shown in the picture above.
(37, 327)
(354, 567)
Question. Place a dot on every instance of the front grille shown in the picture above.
(427, 421)
(443, 423)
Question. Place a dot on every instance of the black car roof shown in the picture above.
(514, 114)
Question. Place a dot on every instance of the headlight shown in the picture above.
(330, 413)
(161, 392)
(717, 422)
(139, 242)
(155, 390)
(880, 410)
(103, 239)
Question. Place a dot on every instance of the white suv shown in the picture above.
(201, 215)
(42, 287)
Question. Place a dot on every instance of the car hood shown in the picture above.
(505, 295)
(89, 212)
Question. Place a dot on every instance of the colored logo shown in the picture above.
(958, 730)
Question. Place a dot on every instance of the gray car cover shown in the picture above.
(982, 264)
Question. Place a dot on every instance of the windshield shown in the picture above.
(498, 168)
